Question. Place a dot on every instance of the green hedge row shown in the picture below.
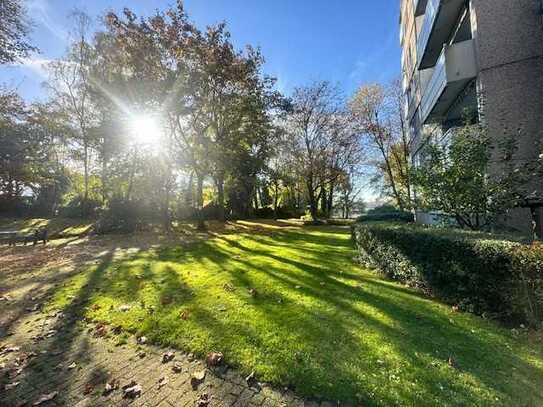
(477, 272)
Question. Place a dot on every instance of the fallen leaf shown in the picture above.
(197, 378)
(73, 365)
(168, 356)
(214, 358)
(204, 400)
(228, 287)
(100, 330)
(111, 386)
(10, 386)
(250, 379)
(131, 390)
(11, 349)
(452, 362)
(184, 315)
(166, 300)
(89, 387)
(142, 340)
(124, 308)
(44, 398)
(163, 381)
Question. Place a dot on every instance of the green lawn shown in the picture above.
(317, 323)
(57, 227)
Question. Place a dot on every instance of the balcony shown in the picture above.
(439, 20)
(455, 68)
(419, 6)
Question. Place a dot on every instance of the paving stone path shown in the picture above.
(58, 359)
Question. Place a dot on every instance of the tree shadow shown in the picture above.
(60, 344)
(312, 321)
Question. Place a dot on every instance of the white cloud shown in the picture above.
(36, 65)
(39, 13)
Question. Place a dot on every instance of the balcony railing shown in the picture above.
(455, 67)
(419, 6)
(439, 20)
(432, 7)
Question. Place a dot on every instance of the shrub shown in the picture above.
(481, 273)
(386, 213)
(123, 216)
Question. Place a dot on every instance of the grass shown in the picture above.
(317, 323)
(57, 227)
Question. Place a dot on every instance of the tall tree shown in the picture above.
(69, 84)
(319, 139)
(377, 112)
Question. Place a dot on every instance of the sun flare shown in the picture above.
(145, 129)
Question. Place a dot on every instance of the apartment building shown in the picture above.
(474, 60)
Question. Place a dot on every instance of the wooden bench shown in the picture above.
(14, 237)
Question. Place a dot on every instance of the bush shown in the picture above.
(386, 213)
(123, 216)
(481, 273)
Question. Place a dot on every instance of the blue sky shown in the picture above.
(349, 41)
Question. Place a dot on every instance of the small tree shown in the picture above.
(457, 179)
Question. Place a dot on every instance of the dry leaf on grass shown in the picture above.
(214, 358)
(100, 330)
(229, 287)
(184, 315)
(73, 365)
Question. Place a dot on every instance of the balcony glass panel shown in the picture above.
(429, 19)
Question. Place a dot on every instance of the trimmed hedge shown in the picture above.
(480, 273)
(386, 213)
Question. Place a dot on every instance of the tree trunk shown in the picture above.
(275, 198)
(312, 200)
(330, 204)
(131, 177)
(200, 201)
(324, 202)
(188, 194)
(220, 196)
(86, 175)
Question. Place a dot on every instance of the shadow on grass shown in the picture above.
(61, 344)
(316, 324)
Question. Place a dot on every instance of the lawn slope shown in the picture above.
(290, 304)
